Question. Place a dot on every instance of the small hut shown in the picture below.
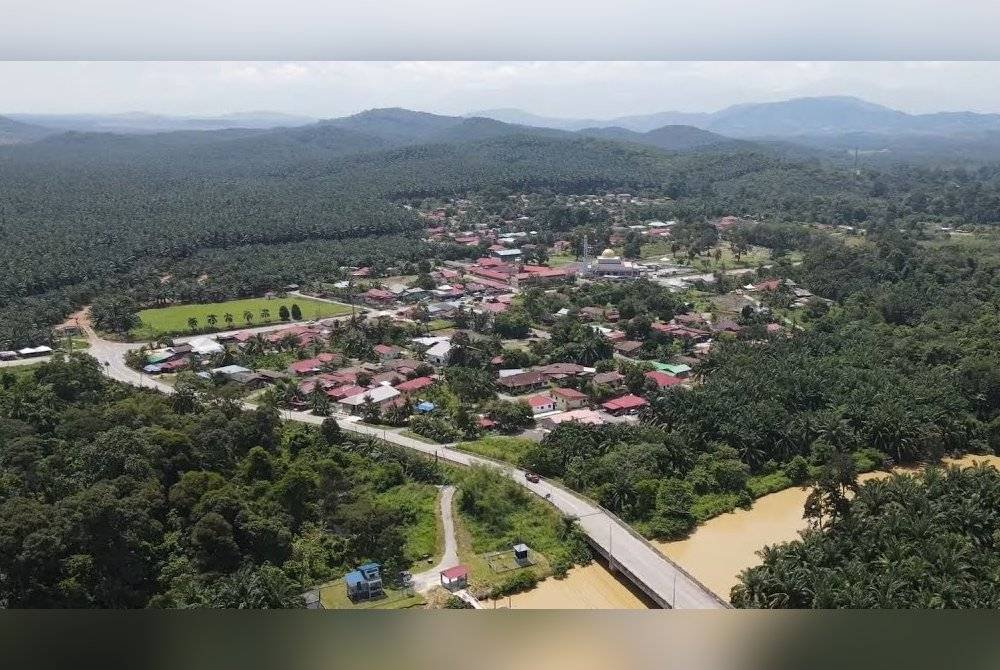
(455, 578)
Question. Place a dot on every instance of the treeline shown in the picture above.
(117, 498)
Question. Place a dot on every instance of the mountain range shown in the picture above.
(785, 119)
(802, 127)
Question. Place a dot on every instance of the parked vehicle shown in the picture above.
(532, 477)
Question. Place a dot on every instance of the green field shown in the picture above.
(174, 320)
(508, 449)
(334, 597)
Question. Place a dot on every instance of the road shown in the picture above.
(428, 579)
(663, 580)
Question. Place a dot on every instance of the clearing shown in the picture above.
(263, 311)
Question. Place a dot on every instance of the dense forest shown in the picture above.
(112, 497)
(924, 541)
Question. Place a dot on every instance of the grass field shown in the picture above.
(508, 449)
(334, 597)
(419, 502)
(174, 319)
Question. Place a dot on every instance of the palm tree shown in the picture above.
(228, 318)
(265, 314)
(212, 320)
(248, 317)
(193, 323)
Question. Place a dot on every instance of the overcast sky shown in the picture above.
(570, 89)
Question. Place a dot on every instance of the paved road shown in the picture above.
(661, 578)
(24, 361)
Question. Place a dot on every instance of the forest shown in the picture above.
(923, 541)
(112, 497)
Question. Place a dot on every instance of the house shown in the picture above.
(682, 370)
(365, 582)
(362, 272)
(205, 346)
(377, 296)
(567, 399)
(439, 353)
(250, 380)
(414, 385)
(692, 319)
(767, 285)
(380, 395)
(507, 254)
(726, 326)
(612, 378)
(561, 370)
(522, 381)
(680, 331)
(338, 393)
(587, 417)
(386, 352)
(627, 347)
(541, 404)
(390, 377)
(8, 355)
(662, 379)
(591, 313)
(627, 404)
(311, 365)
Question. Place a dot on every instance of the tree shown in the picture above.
(265, 314)
(296, 312)
(511, 417)
(283, 313)
(192, 323)
(117, 314)
(248, 317)
(212, 319)
(228, 318)
(330, 430)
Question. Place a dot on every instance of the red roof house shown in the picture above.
(662, 379)
(625, 404)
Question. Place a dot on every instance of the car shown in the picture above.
(532, 477)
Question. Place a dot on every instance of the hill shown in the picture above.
(141, 123)
(669, 138)
(16, 132)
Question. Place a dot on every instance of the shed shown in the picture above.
(455, 578)
(521, 552)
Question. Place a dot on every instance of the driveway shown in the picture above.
(428, 579)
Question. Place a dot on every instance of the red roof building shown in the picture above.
(541, 403)
(662, 379)
(414, 384)
(625, 404)
(345, 391)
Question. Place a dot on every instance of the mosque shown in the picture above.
(610, 265)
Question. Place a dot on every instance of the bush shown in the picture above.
(521, 581)
(435, 429)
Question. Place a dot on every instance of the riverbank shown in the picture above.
(591, 587)
(719, 549)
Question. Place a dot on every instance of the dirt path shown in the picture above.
(428, 579)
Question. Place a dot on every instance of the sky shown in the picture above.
(599, 89)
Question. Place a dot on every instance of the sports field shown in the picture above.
(174, 319)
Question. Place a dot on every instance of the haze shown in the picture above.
(567, 89)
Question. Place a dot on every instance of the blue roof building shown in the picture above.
(365, 582)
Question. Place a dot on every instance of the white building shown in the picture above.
(610, 265)
(439, 353)
(378, 395)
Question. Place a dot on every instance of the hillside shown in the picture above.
(669, 138)
(16, 132)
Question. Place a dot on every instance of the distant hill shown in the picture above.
(140, 122)
(17, 132)
(810, 118)
(670, 138)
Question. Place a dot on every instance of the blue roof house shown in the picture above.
(364, 583)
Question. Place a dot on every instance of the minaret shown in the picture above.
(586, 253)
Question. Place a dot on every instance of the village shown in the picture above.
(512, 342)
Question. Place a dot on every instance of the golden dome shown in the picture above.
(608, 253)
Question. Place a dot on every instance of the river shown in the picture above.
(719, 549)
(591, 587)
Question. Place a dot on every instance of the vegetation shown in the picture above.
(117, 498)
(923, 541)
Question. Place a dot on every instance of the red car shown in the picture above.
(532, 477)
